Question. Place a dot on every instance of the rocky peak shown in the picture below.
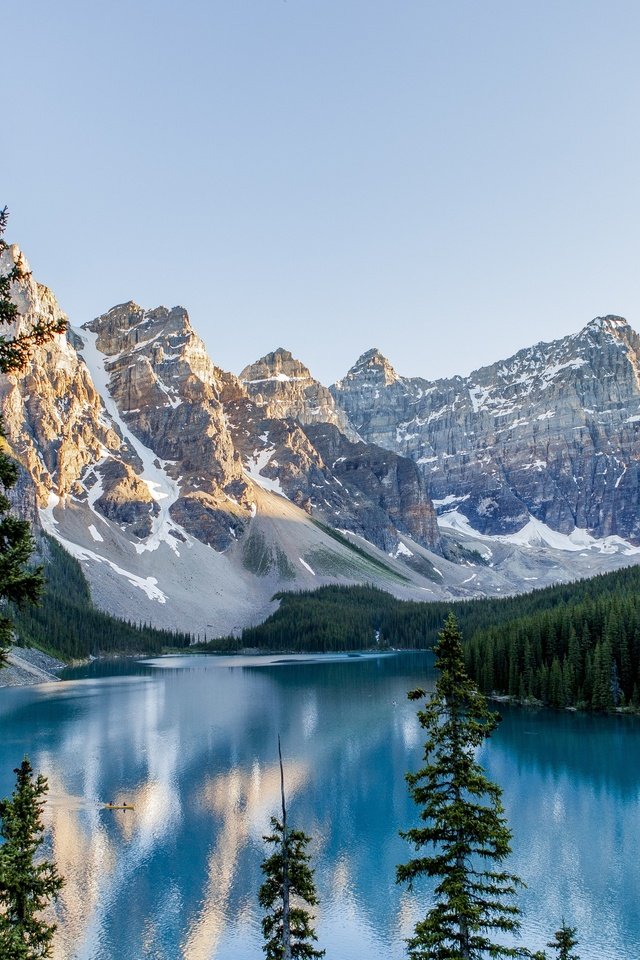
(609, 324)
(372, 368)
(279, 366)
(167, 393)
(286, 388)
(52, 414)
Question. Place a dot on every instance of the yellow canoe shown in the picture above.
(118, 806)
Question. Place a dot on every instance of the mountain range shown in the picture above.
(191, 495)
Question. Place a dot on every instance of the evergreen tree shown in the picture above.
(564, 940)
(464, 821)
(16, 349)
(26, 887)
(18, 583)
(287, 925)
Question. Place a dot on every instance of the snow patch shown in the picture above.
(254, 467)
(306, 566)
(535, 533)
(148, 585)
(401, 551)
(449, 499)
(163, 489)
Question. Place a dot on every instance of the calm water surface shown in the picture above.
(192, 741)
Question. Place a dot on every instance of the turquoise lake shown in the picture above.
(192, 742)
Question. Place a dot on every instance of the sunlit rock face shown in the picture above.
(552, 432)
(191, 496)
(52, 413)
(285, 387)
(130, 416)
(167, 391)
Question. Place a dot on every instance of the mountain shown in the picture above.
(308, 447)
(286, 388)
(552, 433)
(190, 496)
(187, 503)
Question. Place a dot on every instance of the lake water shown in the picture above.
(192, 742)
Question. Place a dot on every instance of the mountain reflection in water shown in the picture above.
(192, 743)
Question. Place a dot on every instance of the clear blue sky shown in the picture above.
(448, 181)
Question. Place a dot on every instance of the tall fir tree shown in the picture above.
(18, 583)
(287, 925)
(464, 825)
(26, 886)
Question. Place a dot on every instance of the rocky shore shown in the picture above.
(28, 666)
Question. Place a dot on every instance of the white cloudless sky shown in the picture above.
(449, 181)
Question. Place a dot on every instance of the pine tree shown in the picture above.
(564, 940)
(26, 887)
(18, 583)
(464, 821)
(287, 925)
(15, 350)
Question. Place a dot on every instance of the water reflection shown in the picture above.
(192, 743)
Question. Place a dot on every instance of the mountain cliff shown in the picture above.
(186, 500)
(285, 387)
(552, 433)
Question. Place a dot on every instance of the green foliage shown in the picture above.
(290, 849)
(67, 624)
(256, 555)
(464, 827)
(19, 583)
(571, 646)
(367, 560)
(574, 644)
(564, 940)
(344, 618)
(26, 887)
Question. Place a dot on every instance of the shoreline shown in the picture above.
(27, 666)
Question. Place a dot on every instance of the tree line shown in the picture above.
(583, 653)
(575, 644)
(66, 623)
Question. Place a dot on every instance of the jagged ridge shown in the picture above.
(552, 432)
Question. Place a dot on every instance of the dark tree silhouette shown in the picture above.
(26, 886)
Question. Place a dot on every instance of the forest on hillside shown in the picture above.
(66, 623)
(574, 644)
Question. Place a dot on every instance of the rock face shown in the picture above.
(129, 417)
(52, 414)
(553, 432)
(285, 388)
(296, 437)
(192, 496)
(385, 492)
(166, 392)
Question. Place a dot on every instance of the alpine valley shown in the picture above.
(191, 496)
